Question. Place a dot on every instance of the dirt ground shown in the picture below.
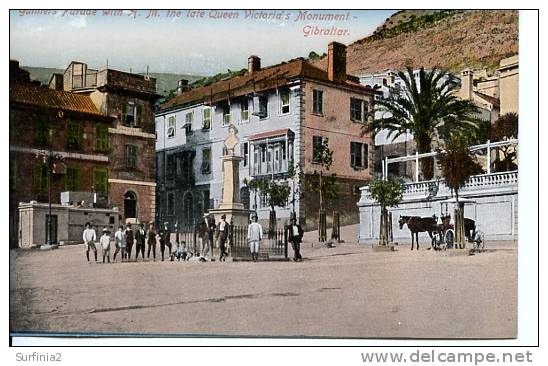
(347, 291)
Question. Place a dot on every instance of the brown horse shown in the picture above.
(418, 225)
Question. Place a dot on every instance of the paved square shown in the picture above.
(347, 291)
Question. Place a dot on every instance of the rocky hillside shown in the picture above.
(448, 39)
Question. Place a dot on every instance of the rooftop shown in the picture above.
(40, 96)
(260, 80)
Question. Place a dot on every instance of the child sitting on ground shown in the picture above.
(181, 252)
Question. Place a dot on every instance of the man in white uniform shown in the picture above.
(254, 236)
(89, 237)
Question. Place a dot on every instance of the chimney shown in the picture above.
(336, 62)
(182, 86)
(253, 64)
(467, 84)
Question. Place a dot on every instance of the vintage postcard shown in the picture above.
(264, 173)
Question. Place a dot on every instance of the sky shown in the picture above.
(200, 43)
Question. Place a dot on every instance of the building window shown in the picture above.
(245, 152)
(171, 126)
(171, 166)
(131, 156)
(40, 177)
(73, 178)
(74, 136)
(206, 122)
(206, 161)
(100, 180)
(13, 174)
(226, 115)
(171, 203)
(43, 132)
(356, 106)
(189, 117)
(358, 155)
(365, 110)
(244, 110)
(263, 107)
(317, 101)
(131, 114)
(206, 201)
(284, 102)
(101, 138)
(317, 142)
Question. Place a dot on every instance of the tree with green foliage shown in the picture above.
(427, 107)
(276, 193)
(505, 128)
(458, 165)
(387, 193)
(322, 156)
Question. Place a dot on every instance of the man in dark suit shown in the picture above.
(140, 238)
(129, 241)
(295, 236)
(165, 240)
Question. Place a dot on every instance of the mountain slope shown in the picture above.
(459, 39)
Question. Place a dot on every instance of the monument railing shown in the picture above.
(272, 245)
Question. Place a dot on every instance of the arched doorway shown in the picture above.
(188, 209)
(130, 205)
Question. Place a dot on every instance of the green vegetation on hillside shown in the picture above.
(414, 24)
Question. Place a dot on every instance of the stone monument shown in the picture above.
(230, 204)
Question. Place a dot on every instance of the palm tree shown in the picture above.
(428, 108)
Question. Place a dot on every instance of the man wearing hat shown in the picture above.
(129, 240)
(224, 228)
(165, 240)
(89, 237)
(140, 238)
(254, 236)
(203, 234)
(294, 236)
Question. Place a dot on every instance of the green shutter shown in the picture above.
(124, 113)
(100, 180)
(139, 116)
(101, 138)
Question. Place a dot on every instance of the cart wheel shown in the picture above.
(479, 240)
(449, 238)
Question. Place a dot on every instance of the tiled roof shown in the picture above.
(260, 80)
(40, 96)
(494, 101)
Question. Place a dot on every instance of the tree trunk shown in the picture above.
(272, 223)
(459, 224)
(383, 231)
(336, 231)
(322, 226)
(424, 145)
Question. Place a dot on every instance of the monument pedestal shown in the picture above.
(230, 204)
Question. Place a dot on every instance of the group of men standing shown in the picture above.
(124, 240)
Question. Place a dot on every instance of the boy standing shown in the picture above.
(120, 241)
(105, 244)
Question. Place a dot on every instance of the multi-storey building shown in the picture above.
(282, 113)
(129, 98)
(67, 126)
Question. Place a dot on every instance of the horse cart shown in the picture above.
(443, 235)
